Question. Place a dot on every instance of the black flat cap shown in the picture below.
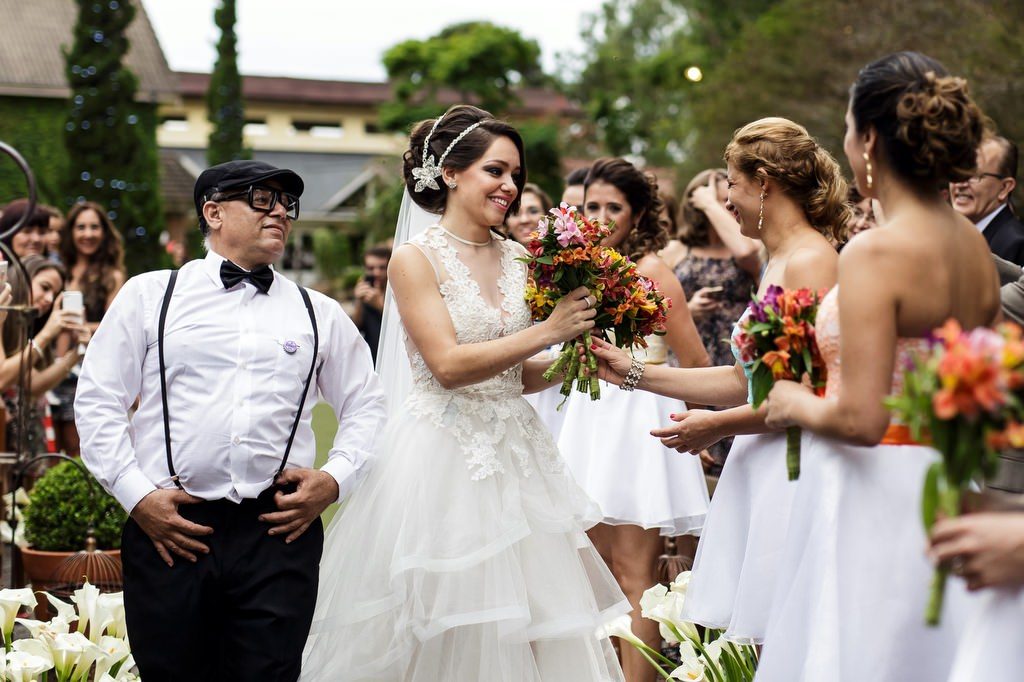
(235, 174)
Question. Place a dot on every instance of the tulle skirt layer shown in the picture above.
(737, 561)
(854, 579)
(441, 569)
(633, 478)
(992, 647)
(546, 404)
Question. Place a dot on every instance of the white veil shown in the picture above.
(392, 354)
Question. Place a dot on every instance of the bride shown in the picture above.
(463, 556)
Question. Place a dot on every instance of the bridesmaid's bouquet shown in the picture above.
(778, 338)
(565, 253)
(964, 397)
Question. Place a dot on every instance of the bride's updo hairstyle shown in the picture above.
(463, 154)
(784, 151)
(928, 125)
(641, 191)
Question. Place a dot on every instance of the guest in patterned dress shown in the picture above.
(718, 268)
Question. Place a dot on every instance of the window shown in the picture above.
(175, 123)
(255, 127)
(323, 129)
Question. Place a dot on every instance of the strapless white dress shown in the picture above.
(463, 556)
(634, 479)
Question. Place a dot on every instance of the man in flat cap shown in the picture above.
(226, 356)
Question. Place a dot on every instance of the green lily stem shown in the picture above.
(793, 452)
(558, 366)
(644, 652)
(950, 506)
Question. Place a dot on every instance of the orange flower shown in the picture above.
(778, 362)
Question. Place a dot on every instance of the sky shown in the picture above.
(345, 39)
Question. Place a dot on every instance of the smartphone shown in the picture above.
(371, 280)
(714, 291)
(3, 273)
(74, 303)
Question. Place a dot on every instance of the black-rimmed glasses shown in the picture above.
(975, 179)
(264, 199)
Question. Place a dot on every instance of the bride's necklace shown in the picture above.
(459, 239)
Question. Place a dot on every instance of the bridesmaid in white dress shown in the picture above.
(851, 600)
(987, 549)
(463, 555)
(786, 190)
(644, 490)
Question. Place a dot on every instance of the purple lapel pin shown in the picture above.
(290, 347)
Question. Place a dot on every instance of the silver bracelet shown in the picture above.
(633, 376)
(37, 349)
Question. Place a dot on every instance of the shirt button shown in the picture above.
(236, 440)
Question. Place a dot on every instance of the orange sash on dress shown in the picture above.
(898, 434)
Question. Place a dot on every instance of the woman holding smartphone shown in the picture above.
(92, 251)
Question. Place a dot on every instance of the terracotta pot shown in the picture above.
(43, 569)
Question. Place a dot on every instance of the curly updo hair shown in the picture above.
(641, 191)
(784, 151)
(928, 125)
(463, 155)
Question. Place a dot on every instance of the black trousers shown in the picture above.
(241, 612)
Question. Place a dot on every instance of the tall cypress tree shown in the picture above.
(224, 106)
(110, 139)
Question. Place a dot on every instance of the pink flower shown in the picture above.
(567, 231)
(542, 228)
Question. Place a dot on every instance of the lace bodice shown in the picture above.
(480, 414)
(826, 330)
(474, 319)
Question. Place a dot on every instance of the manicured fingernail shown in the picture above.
(672, 416)
(593, 346)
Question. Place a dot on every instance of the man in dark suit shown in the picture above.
(985, 198)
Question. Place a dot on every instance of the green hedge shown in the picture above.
(61, 509)
(35, 127)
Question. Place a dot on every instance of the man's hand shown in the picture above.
(315, 491)
(171, 533)
(369, 294)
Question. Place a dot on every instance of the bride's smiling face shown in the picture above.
(485, 190)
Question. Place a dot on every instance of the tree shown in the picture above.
(110, 138)
(482, 63)
(637, 81)
(225, 108)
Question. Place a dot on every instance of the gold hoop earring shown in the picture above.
(760, 216)
(867, 160)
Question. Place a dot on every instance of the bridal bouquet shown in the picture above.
(963, 396)
(565, 253)
(703, 657)
(778, 338)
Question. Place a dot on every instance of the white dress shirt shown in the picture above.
(232, 388)
(984, 222)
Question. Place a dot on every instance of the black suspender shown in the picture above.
(163, 376)
(309, 377)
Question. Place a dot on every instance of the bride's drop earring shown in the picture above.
(760, 216)
(870, 180)
(452, 185)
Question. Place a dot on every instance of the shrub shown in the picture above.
(62, 508)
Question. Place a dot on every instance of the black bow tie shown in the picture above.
(261, 277)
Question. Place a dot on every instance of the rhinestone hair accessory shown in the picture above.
(426, 174)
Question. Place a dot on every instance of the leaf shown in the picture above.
(761, 385)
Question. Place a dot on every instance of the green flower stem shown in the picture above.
(644, 652)
(950, 505)
(559, 365)
(793, 452)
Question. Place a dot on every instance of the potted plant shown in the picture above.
(64, 504)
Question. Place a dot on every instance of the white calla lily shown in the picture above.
(714, 650)
(691, 671)
(50, 628)
(113, 650)
(622, 627)
(25, 667)
(36, 647)
(112, 604)
(681, 584)
(73, 654)
(11, 602)
(665, 607)
(93, 611)
(64, 609)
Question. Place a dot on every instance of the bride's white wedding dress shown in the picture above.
(463, 555)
